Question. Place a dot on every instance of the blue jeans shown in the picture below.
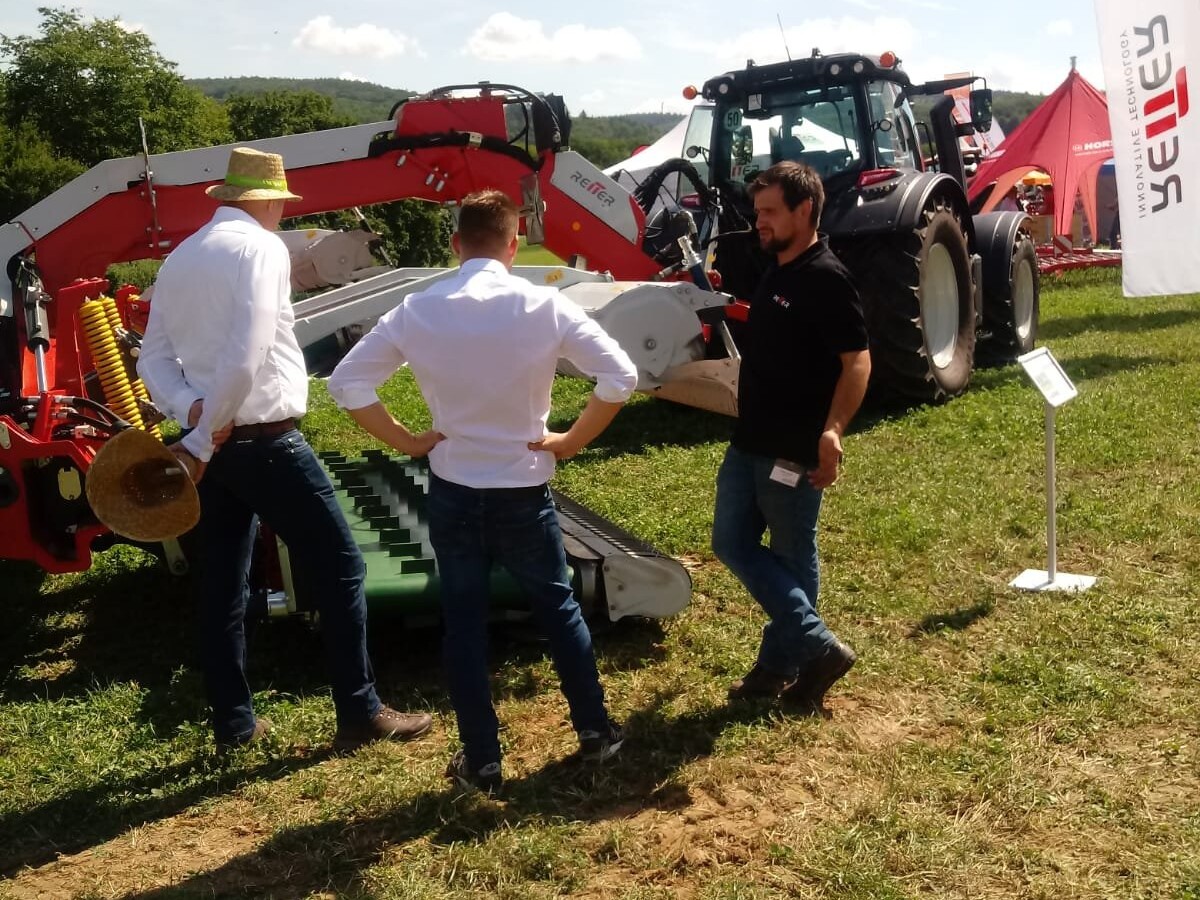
(280, 481)
(470, 529)
(783, 578)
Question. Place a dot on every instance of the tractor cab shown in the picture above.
(842, 115)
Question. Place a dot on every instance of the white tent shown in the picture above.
(630, 172)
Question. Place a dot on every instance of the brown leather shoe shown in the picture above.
(262, 727)
(758, 684)
(388, 725)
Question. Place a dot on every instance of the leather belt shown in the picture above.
(258, 430)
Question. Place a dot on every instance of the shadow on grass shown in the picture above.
(85, 818)
(1100, 365)
(131, 622)
(1116, 322)
(137, 625)
(956, 620)
(331, 856)
(120, 622)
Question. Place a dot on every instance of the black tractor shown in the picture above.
(943, 290)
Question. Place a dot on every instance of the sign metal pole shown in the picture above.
(1051, 499)
(1057, 389)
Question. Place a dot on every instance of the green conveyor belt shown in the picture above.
(384, 499)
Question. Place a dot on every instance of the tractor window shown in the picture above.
(817, 127)
(891, 128)
(698, 137)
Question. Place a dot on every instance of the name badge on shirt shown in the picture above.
(786, 472)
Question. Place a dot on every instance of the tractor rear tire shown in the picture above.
(1011, 307)
(918, 299)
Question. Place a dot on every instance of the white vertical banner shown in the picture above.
(1146, 49)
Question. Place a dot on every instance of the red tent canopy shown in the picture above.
(1068, 138)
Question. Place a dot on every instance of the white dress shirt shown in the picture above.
(483, 346)
(220, 330)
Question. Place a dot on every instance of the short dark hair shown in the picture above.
(799, 182)
(487, 220)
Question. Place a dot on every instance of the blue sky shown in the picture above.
(606, 58)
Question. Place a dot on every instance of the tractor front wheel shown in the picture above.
(917, 295)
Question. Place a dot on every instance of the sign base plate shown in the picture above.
(1039, 580)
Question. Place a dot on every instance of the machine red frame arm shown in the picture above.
(438, 149)
(134, 208)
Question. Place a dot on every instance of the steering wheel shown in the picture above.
(839, 160)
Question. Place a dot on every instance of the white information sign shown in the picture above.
(1057, 389)
(1048, 375)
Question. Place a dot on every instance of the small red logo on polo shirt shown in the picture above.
(782, 301)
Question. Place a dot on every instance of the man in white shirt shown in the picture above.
(483, 346)
(219, 356)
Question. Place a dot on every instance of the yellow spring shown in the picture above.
(110, 366)
(139, 390)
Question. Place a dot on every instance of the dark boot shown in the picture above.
(759, 683)
(820, 675)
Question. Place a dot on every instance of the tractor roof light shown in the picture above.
(887, 59)
(690, 92)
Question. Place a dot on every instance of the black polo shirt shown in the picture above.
(803, 315)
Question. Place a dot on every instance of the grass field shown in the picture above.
(989, 744)
(535, 256)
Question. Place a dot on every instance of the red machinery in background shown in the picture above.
(67, 381)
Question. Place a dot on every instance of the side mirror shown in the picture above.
(981, 109)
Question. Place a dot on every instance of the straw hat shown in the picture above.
(139, 489)
(253, 175)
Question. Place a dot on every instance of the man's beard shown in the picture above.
(773, 244)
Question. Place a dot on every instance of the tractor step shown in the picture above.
(384, 499)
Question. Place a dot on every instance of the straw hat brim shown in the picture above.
(231, 192)
(139, 489)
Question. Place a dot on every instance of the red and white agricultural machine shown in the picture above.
(933, 278)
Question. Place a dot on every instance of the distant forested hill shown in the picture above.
(605, 140)
(602, 139)
(360, 100)
(1008, 107)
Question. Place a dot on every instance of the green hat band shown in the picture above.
(274, 184)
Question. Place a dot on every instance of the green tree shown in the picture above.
(29, 169)
(83, 84)
(414, 233)
(275, 113)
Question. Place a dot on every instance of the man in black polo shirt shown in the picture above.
(804, 372)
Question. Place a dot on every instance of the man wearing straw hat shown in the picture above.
(219, 356)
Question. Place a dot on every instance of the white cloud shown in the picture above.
(846, 34)
(593, 97)
(350, 76)
(1060, 28)
(132, 27)
(508, 38)
(322, 35)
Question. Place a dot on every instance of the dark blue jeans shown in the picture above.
(784, 578)
(470, 529)
(280, 481)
